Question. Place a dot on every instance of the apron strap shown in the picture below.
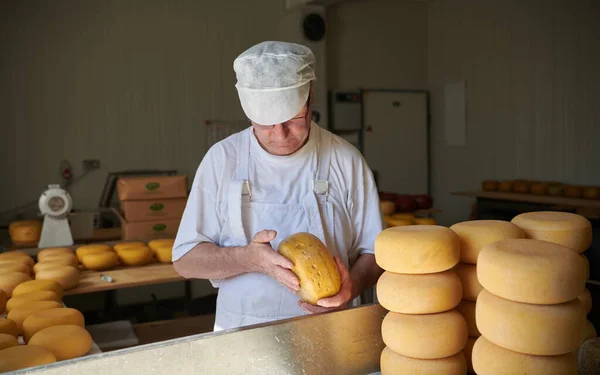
(321, 183)
(239, 186)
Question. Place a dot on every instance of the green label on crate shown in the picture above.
(156, 207)
(159, 227)
(152, 186)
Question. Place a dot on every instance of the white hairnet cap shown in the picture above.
(273, 80)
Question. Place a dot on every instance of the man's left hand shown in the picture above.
(337, 302)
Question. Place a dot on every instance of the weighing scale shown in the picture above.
(55, 204)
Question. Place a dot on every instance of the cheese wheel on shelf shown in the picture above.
(100, 261)
(9, 281)
(468, 350)
(588, 332)
(391, 222)
(527, 328)
(467, 273)
(90, 249)
(505, 186)
(51, 317)
(425, 221)
(160, 242)
(53, 263)
(66, 276)
(419, 294)
(17, 258)
(14, 267)
(127, 245)
(66, 258)
(10, 253)
(164, 253)
(491, 359)
(387, 207)
(531, 271)
(7, 341)
(135, 256)
(425, 336)
(20, 314)
(24, 299)
(567, 229)
(591, 192)
(396, 364)
(490, 185)
(8, 326)
(572, 191)
(585, 299)
(417, 249)
(52, 251)
(467, 310)
(521, 187)
(540, 188)
(35, 285)
(3, 299)
(64, 341)
(24, 356)
(474, 235)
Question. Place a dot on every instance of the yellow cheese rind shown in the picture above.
(397, 222)
(52, 251)
(531, 271)
(419, 294)
(66, 276)
(14, 257)
(24, 299)
(100, 261)
(566, 229)
(467, 273)
(387, 207)
(3, 299)
(161, 242)
(9, 326)
(135, 256)
(425, 221)
(164, 253)
(527, 328)
(427, 336)
(14, 267)
(19, 315)
(90, 249)
(397, 364)
(68, 259)
(127, 245)
(588, 332)
(491, 359)
(476, 234)
(51, 317)
(64, 341)
(10, 280)
(7, 341)
(585, 299)
(24, 356)
(468, 350)
(417, 249)
(313, 265)
(35, 285)
(467, 310)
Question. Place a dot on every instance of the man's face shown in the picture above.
(285, 138)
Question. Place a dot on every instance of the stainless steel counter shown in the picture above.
(345, 342)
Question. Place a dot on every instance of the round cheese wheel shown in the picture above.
(540, 188)
(66, 276)
(588, 332)
(467, 310)
(101, 261)
(135, 256)
(417, 249)
(164, 253)
(2, 301)
(531, 271)
(591, 192)
(24, 356)
(521, 187)
(467, 273)
(468, 350)
(20, 314)
(11, 253)
(127, 245)
(8, 326)
(490, 185)
(505, 186)
(425, 336)
(90, 249)
(556, 189)
(527, 328)
(24, 299)
(35, 285)
(14, 267)
(7, 341)
(570, 230)
(66, 258)
(403, 216)
(10, 280)
(476, 234)
(65, 341)
(573, 191)
(419, 294)
(160, 242)
(586, 265)
(43, 266)
(585, 299)
(490, 359)
(17, 258)
(387, 208)
(395, 364)
(51, 251)
(425, 221)
(51, 317)
(391, 222)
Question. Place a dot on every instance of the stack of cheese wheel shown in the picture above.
(528, 313)
(474, 236)
(59, 264)
(97, 257)
(32, 296)
(15, 268)
(567, 229)
(162, 249)
(133, 253)
(423, 332)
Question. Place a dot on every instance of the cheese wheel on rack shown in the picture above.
(387, 207)
(527, 328)
(570, 230)
(19, 315)
(506, 186)
(419, 294)
(589, 332)
(24, 356)
(417, 249)
(425, 336)
(14, 267)
(391, 222)
(51, 317)
(52, 251)
(476, 234)
(531, 271)
(7, 341)
(491, 359)
(585, 299)
(572, 191)
(424, 221)
(100, 261)
(55, 262)
(490, 185)
(160, 242)
(17, 256)
(66, 276)
(9, 326)
(467, 273)
(24, 299)
(65, 258)
(127, 245)
(10, 280)
(395, 364)
(35, 285)
(90, 249)
(468, 350)
(586, 265)
(164, 253)
(8, 254)
(65, 341)
(135, 256)
(467, 310)
(3, 299)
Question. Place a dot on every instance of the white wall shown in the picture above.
(533, 86)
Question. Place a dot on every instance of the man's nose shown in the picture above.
(280, 132)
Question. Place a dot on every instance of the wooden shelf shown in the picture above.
(530, 198)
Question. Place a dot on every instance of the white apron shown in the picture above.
(254, 298)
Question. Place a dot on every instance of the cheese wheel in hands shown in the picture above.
(64, 341)
(14, 267)
(35, 285)
(531, 271)
(476, 234)
(419, 294)
(66, 276)
(51, 317)
(491, 359)
(100, 261)
(9, 326)
(20, 314)
(10, 280)
(467, 310)
(90, 249)
(417, 249)
(397, 364)
(24, 299)
(527, 328)
(51, 251)
(585, 299)
(425, 336)
(135, 256)
(24, 356)
(570, 230)
(313, 265)
(2, 301)
(7, 341)
(467, 273)
(468, 350)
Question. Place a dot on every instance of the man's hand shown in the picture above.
(268, 261)
(339, 301)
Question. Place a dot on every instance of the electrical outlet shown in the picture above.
(91, 164)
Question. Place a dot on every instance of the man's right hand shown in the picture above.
(268, 261)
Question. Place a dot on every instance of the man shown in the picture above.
(282, 175)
